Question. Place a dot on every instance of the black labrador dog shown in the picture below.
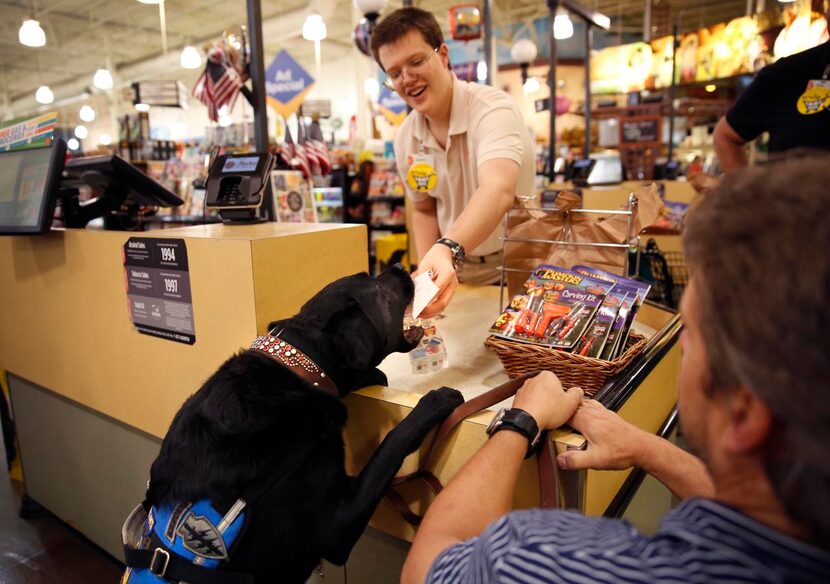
(259, 431)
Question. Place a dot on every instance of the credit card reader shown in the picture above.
(236, 186)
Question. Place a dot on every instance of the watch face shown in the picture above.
(495, 422)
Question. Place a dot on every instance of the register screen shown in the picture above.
(22, 186)
(246, 164)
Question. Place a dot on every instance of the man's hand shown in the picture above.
(543, 398)
(439, 260)
(613, 443)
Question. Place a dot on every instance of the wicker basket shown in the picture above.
(573, 370)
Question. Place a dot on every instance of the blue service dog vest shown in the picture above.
(195, 532)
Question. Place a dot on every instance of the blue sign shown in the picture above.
(286, 84)
(392, 106)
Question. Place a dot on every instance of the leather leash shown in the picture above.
(549, 482)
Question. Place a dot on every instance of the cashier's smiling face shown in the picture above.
(420, 73)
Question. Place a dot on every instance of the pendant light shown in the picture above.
(87, 114)
(81, 132)
(31, 34)
(190, 59)
(102, 79)
(563, 28)
(524, 52)
(44, 95)
(73, 144)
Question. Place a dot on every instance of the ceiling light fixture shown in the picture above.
(151, 1)
(142, 107)
(102, 79)
(190, 59)
(81, 132)
(73, 144)
(532, 85)
(44, 95)
(524, 52)
(105, 139)
(563, 28)
(314, 28)
(87, 114)
(31, 34)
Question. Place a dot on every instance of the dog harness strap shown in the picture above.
(295, 361)
(166, 566)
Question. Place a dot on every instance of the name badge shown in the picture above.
(816, 97)
(421, 176)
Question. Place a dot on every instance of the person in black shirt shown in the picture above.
(790, 99)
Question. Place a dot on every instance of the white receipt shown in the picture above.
(425, 291)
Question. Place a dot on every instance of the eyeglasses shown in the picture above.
(415, 67)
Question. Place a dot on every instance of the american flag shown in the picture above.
(295, 155)
(218, 85)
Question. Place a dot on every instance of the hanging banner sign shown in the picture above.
(391, 106)
(158, 288)
(23, 133)
(286, 84)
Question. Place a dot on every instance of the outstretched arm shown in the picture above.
(614, 444)
(482, 491)
(497, 180)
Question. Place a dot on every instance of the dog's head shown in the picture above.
(352, 324)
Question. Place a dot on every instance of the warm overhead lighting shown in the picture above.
(524, 52)
(44, 95)
(105, 139)
(481, 71)
(710, 88)
(31, 34)
(73, 144)
(142, 107)
(190, 59)
(81, 132)
(563, 28)
(151, 1)
(314, 28)
(786, 1)
(532, 85)
(87, 114)
(102, 79)
(225, 120)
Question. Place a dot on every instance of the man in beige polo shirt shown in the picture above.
(463, 153)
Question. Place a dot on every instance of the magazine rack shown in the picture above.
(631, 240)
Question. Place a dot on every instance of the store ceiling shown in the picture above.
(83, 35)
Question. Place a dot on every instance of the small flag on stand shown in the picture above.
(218, 85)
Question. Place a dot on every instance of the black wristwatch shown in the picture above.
(458, 254)
(518, 421)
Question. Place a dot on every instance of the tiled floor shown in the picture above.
(45, 550)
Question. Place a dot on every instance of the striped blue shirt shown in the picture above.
(699, 541)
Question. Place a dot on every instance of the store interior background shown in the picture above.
(125, 37)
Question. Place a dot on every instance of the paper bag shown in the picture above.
(562, 225)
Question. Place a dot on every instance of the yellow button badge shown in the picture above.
(814, 100)
(421, 177)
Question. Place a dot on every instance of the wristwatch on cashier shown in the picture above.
(518, 421)
(458, 254)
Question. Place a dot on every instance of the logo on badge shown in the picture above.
(814, 100)
(421, 177)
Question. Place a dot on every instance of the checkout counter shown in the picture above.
(92, 396)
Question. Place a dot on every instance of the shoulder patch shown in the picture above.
(202, 538)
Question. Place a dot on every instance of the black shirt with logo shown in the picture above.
(770, 103)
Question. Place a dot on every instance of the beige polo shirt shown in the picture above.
(485, 124)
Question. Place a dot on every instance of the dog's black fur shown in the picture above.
(237, 432)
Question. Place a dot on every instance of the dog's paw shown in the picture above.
(441, 402)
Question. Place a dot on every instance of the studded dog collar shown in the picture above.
(296, 361)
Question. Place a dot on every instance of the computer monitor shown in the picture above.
(29, 182)
(119, 187)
